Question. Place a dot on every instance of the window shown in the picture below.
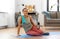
(53, 5)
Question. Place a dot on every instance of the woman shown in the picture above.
(29, 27)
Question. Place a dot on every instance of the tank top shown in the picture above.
(26, 23)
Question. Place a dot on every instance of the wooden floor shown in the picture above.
(10, 33)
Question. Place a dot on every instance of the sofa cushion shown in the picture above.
(58, 15)
(53, 15)
(53, 21)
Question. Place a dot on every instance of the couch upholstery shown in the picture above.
(53, 15)
(58, 15)
(53, 19)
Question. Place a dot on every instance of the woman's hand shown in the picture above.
(31, 19)
(34, 25)
(18, 35)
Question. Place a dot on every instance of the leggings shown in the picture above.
(34, 31)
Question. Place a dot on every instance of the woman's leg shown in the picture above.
(31, 32)
(37, 30)
(34, 31)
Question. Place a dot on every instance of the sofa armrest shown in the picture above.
(45, 18)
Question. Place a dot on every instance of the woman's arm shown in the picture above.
(31, 19)
(19, 24)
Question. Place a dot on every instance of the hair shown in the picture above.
(23, 9)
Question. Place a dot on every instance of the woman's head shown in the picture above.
(25, 11)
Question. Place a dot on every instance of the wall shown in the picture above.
(43, 8)
(9, 7)
(44, 5)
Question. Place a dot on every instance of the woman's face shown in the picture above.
(25, 11)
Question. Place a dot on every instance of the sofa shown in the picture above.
(51, 18)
